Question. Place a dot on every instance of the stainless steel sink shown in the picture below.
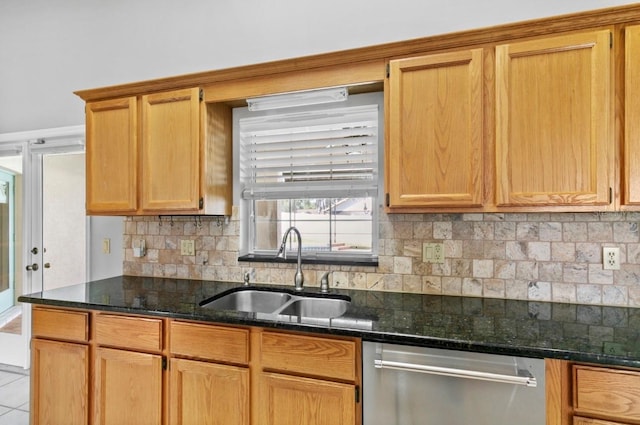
(251, 301)
(279, 303)
(316, 307)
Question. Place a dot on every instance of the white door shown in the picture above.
(57, 255)
(50, 224)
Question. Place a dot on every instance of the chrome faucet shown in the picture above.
(282, 253)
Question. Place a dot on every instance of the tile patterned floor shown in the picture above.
(14, 396)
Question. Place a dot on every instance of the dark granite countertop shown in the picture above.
(597, 334)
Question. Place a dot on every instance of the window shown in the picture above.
(315, 168)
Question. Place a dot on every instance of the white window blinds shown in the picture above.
(317, 154)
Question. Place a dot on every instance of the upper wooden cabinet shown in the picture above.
(178, 161)
(631, 193)
(171, 151)
(111, 160)
(435, 131)
(554, 138)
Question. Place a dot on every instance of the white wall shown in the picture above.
(49, 48)
(105, 265)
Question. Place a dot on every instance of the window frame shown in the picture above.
(246, 253)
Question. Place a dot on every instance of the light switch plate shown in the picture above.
(106, 246)
(187, 247)
(433, 253)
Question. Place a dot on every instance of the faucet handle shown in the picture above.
(247, 277)
(324, 282)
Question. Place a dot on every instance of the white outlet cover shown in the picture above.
(611, 258)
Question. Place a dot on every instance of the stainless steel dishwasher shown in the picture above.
(405, 385)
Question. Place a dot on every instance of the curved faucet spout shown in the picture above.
(282, 252)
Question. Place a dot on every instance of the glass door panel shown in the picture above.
(64, 244)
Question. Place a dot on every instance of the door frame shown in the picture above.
(10, 295)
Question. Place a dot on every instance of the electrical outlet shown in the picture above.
(433, 253)
(611, 258)
(187, 247)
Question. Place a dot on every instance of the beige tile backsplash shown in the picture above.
(548, 257)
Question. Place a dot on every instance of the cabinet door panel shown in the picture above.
(171, 151)
(289, 400)
(112, 160)
(309, 355)
(435, 119)
(632, 116)
(60, 324)
(136, 333)
(127, 388)
(217, 343)
(607, 392)
(554, 139)
(208, 394)
(59, 383)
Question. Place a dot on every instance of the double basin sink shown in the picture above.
(278, 303)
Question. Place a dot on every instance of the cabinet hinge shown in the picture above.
(386, 199)
(201, 203)
(357, 391)
(164, 363)
(201, 95)
(388, 70)
(610, 40)
(610, 195)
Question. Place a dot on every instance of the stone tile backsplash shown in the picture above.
(541, 256)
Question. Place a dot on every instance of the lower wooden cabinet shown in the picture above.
(127, 387)
(302, 401)
(607, 393)
(307, 380)
(208, 394)
(585, 394)
(60, 364)
(110, 369)
(59, 383)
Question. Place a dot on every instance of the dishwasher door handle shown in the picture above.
(523, 378)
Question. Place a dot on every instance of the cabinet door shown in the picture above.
(127, 388)
(208, 393)
(613, 393)
(435, 115)
(554, 139)
(59, 383)
(111, 156)
(171, 151)
(290, 400)
(632, 117)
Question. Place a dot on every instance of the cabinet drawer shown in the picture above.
(129, 332)
(60, 324)
(588, 421)
(611, 392)
(218, 343)
(316, 356)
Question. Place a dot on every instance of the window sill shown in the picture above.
(368, 262)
